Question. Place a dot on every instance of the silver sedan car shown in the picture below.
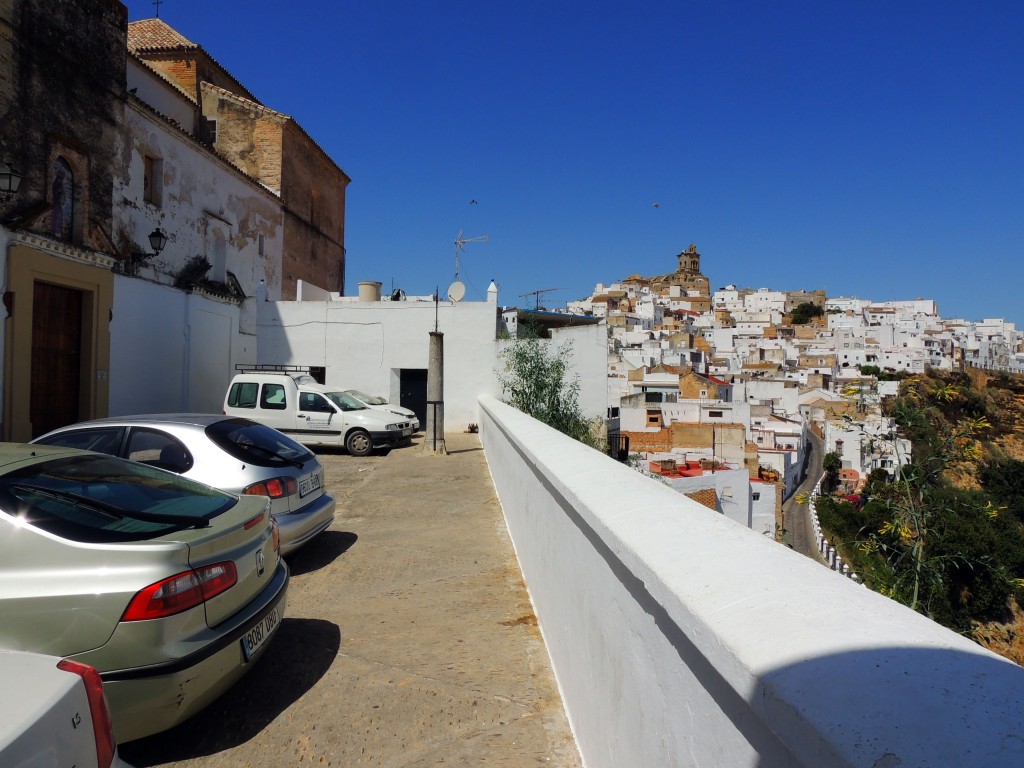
(169, 588)
(233, 454)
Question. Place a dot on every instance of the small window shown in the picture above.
(757, 495)
(62, 191)
(715, 414)
(243, 394)
(703, 393)
(151, 186)
(273, 397)
(262, 244)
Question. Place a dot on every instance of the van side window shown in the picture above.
(311, 401)
(243, 394)
(272, 397)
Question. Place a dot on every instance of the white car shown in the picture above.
(381, 404)
(53, 712)
(312, 413)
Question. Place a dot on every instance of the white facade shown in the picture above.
(371, 345)
(171, 350)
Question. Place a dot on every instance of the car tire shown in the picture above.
(358, 443)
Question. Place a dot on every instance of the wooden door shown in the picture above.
(56, 357)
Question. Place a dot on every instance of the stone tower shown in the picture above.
(689, 262)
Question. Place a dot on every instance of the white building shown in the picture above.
(381, 347)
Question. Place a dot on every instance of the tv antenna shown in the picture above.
(538, 293)
(457, 290)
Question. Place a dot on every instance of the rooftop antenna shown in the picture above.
(538, 293)
(156, 4)
(457, 290)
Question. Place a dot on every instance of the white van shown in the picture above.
(314, 414)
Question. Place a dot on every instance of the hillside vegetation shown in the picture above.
(947, 536)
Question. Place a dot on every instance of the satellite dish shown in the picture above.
(456, 291)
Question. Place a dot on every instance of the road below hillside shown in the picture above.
(799, 533)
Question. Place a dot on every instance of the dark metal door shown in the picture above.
(412, 386)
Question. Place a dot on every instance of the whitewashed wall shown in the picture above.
(589, 360)
(206, 208)
(679, 638)
(170, 351)
(363, 345)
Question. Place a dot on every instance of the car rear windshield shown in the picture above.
(257, 444)
(100, 499)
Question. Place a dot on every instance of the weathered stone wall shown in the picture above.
(63, 98)
(248, 136)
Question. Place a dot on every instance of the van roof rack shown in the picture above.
(270, 368)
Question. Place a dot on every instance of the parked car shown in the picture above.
(236, 455)
(53, 712)
(168, 587)
(381, 404)
(312, 413)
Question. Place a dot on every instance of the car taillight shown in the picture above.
(275, 488)
(276, 536)
(181, 592)
(102, 727)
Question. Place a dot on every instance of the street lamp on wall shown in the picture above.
(157, 241)
(10, 180)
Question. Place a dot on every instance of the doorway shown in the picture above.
(412, 388)
(56, 393)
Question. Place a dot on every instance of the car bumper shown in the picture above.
(391, 438)
(148, 700)
(298, 527)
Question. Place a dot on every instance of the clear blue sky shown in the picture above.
(872, 149)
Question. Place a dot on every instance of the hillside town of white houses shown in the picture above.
(721, 392)
(160, 226)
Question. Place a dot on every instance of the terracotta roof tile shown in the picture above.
(149, 34)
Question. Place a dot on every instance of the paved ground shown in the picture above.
(409, 639)
(799, 530)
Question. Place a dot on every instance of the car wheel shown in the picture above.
(358, 443)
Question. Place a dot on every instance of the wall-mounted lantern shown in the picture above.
(157, 241)
(10, 180)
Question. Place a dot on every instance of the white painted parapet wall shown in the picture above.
(681, 638)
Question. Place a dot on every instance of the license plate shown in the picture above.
(309, 484)
(258, 635)
(406, 432)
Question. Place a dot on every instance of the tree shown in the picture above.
(831, 463)
(803, 313)
(919, 507)
(536, 382)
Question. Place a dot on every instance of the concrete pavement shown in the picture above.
(409, 639)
